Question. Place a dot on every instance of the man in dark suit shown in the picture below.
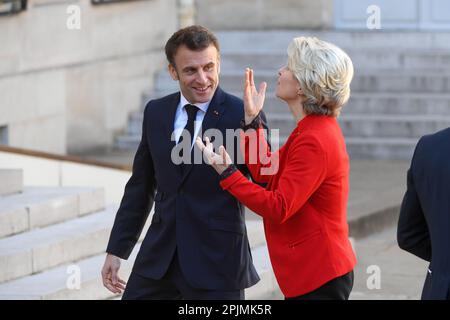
(197, 245)
(424, 223)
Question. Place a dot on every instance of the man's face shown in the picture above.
(197, 73)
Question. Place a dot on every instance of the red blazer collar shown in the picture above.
(312, 120)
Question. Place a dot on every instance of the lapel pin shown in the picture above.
(216, 112)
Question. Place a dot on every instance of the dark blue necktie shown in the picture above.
(192, 113)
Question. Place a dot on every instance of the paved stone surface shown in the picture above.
(12, 181)
(376, 191)
(52, 284)
(402, 274)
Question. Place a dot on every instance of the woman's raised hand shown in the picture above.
(253, 100)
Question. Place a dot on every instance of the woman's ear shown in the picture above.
(300, 91)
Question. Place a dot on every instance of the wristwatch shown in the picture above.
(228, 171)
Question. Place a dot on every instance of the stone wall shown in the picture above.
(72, 90)
(264, 14)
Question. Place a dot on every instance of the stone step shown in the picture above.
(278, 40)
(390, 126)
(41, 249)
(37, 207)
(381, 148)
(363, 59)
(268, 285)
(127, 142)
(366, 214)
(368, 82)
(393, 75)
(155, 94)
(357, 147)
(11, 182)
(255, 233)
(358, 295)
(398, 104)
(135, 123)
(52, 283)
(379, 82)
(360, 102)
(433, 107)
(372, 125)
(372, 148)
(164, 83)
(376, 103)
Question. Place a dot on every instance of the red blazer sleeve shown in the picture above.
(260, 161)
(304, 171)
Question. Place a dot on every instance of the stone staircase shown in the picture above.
(48, 232)
(401, 88)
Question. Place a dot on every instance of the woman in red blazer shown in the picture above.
(307, 181)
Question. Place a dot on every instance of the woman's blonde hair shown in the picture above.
(324, 72)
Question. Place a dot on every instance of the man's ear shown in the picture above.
(218, 64)
(173, 72)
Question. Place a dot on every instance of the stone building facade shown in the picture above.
(68, 88)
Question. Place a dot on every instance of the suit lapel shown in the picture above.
(169, 120)
(215, 110)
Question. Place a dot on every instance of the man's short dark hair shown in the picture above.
(195, 37)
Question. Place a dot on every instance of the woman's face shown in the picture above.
(288, 87)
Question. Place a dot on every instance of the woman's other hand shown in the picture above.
(220, 161)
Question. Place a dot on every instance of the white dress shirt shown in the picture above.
(181, 118)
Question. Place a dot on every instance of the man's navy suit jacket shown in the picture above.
(424, 223)
(193, 216)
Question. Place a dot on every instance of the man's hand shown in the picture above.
(110, 275)
(253, 100)
(219, 161)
